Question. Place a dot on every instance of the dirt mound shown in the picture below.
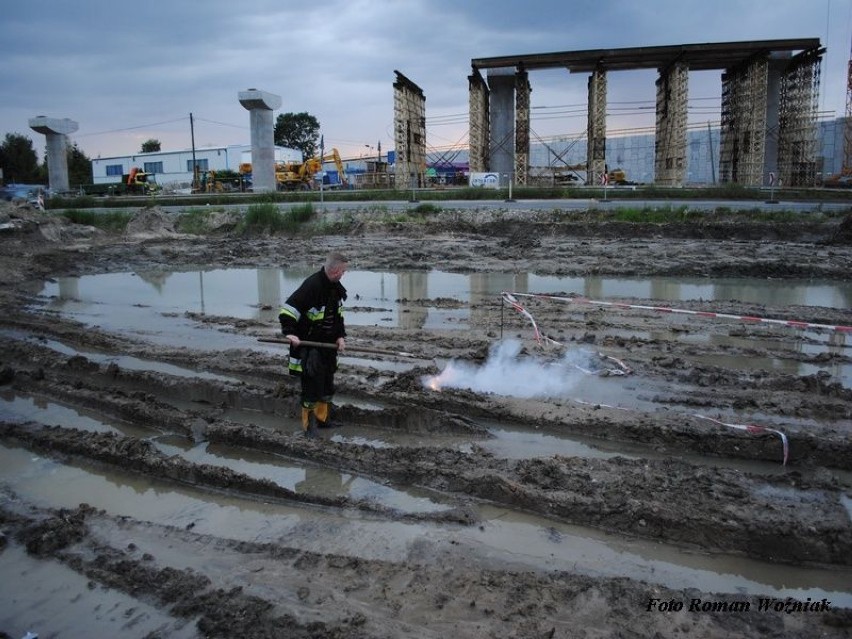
(150, 223)
(844, 232)
(26, 224)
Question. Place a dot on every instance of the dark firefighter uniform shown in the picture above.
(314, 312)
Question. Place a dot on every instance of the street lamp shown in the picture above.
(378, 154)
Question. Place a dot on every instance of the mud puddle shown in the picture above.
(842, 373)
(127, 362)
(504, 441)
(303, 478)
(51, 600)
(387, 298)
(18, 407)
(504, 538)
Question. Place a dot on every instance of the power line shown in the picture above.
(132, 128)
(235, 126)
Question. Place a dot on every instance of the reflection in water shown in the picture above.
(412, 289)
(69, 288)
(126, 303)
(157, 279)
(225, 291)
(268, 290)
(324, 481)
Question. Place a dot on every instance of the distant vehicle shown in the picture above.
(843, 181)
(301, 176)
(28, 192)
(137, 182)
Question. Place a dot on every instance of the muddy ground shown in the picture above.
(695, 481)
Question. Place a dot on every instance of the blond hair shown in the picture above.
(335, 260)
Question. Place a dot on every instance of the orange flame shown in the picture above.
(436, 382)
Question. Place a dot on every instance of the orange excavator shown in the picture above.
(299, 176)
(139, 182)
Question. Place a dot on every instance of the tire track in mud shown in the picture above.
(185, 593)
(668, 500)
(665, 502)
(683, 503)
(264, 589)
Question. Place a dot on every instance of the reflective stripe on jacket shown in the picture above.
(313, 312)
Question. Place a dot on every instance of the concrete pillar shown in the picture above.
(743, 131)
(670, 137)
(501, 83)
(778, 62)
(56, 132)
(596, 128)
(260, 105)
(522, 128)
(479, 123)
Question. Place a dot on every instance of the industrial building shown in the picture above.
(173, 169)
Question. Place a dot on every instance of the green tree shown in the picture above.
(18, 159)
(79, 167)
(151, 146)
(298, 131)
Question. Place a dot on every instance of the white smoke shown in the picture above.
(505, 373)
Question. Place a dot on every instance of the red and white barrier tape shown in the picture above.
(754, 429)
(541, 337)
(514, 303)
(683, 311)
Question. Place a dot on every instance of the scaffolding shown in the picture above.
(670, 139)
(744, 102)
(596, 129)
(522, 127)
(478, 122)
(754, 120)
(797, 131)
(409, 114)
(847, 131)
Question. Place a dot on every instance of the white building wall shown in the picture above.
(177, 165)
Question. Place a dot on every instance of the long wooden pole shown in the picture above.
(354, 349)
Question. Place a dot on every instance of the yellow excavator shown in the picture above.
(299, 176)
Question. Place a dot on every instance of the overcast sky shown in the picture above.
(128, 73)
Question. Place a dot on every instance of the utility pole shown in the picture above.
(712, 158)
(194, 165)
(847, 133)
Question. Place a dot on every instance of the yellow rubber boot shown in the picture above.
(321, 411)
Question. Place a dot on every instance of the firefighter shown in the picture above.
(314, 312)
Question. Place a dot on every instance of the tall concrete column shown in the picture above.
(670, 138)
(479, 122)
(522, 128)
(56, 132)
(778, 62)
(743, 129)
(260, 105)
(596, 128)
(501, 83)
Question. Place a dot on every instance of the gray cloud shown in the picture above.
(127, 74)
